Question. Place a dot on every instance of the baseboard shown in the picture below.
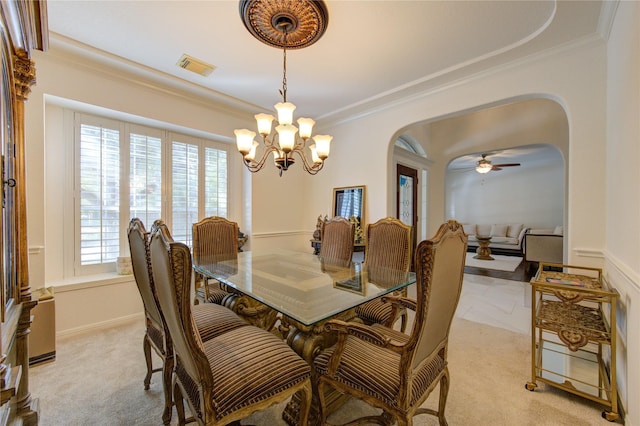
(39, 359)
(101, 325)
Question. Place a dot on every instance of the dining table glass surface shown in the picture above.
(302, 285)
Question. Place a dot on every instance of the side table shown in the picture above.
(483, 251)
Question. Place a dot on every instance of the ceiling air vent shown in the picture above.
(195, 65)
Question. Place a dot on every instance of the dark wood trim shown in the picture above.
(402, 170)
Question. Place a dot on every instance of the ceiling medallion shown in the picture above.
(305, 21)
(285, 24)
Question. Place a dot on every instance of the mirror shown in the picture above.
(349, 202)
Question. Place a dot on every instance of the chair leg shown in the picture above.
(146, 347)
(405, 422)
(177, 397)
(322, 408)
(167, 370)
(306, 398)
(444, 391)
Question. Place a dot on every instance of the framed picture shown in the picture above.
(349, 202)
(354, 283)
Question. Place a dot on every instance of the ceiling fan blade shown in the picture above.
(506, 165)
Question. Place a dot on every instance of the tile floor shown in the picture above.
(497, 302)
(493, 301)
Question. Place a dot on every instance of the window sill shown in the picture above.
(89, 281)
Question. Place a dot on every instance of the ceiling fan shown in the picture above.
(485, 166)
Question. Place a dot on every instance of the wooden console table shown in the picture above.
(316, 244)
(573, 333)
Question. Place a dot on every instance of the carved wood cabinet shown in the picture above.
(23, 28)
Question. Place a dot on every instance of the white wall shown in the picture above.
(622, 224)
(529, 194)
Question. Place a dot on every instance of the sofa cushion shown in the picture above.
(469, 228)
(514, 230)
(499, 230)
(504, 240)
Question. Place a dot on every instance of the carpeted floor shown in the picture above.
(97, 380)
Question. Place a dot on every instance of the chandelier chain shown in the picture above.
(283, 92)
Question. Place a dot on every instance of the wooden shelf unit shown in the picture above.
(573, 333)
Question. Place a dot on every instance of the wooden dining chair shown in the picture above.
(388, 246)
(233, 375)
(392, 370)
(211, 320)
(217, 237)
(337, 239)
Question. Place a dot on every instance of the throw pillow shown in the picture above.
(499, 230)
(514, 230)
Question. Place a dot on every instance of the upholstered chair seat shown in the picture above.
(374, 370)
(249, 365)
(213, 320)
(375, 311)
(214, 293)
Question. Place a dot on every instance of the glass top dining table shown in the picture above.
(301, 285)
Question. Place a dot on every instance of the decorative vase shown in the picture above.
(123, 266)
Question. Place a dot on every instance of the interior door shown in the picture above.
(407, 200)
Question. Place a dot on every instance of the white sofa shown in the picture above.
(505, 238)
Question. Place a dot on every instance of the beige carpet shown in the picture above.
(97, 380)
(499, 262)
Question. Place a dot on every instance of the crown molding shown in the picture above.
(63, 49)
(446, 80)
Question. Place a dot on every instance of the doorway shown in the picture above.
(407, 200)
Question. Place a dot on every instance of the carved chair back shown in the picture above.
(439, 275)
(157, 334)
(171, 266)
(337, 239)
(388, 244)
(215, 236)
(140, 262)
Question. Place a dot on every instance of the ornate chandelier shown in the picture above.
(287, 25)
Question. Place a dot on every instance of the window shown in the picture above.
(125, 170)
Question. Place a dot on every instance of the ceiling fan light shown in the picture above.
(483, 168)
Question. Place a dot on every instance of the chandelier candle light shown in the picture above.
(284, 24)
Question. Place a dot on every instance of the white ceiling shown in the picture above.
(371, 53)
